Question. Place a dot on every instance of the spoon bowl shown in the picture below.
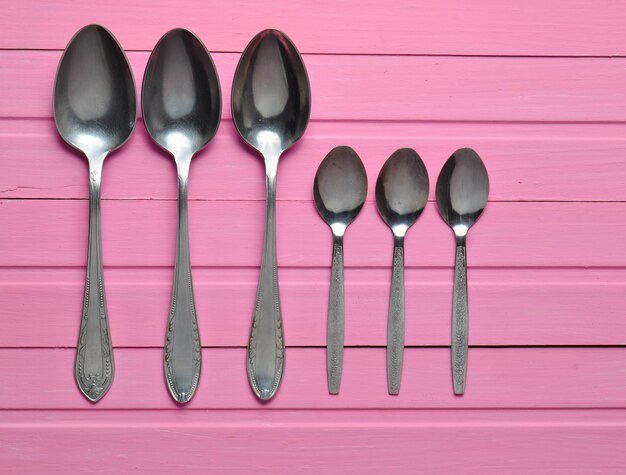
(340, 189)
(271, 96)
(462, 192)
(271, 104)
(95, 111)
(401, 195)
(181, 99)
(95, 104)
(402, 190)
(181, 104)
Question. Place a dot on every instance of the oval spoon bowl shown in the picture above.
(271, 95)
(181, 98)
(94, 102)
(340, 188)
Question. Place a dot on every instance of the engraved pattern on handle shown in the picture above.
(459, 320)
(335, 332)
(266, 347)
(183, 351)
(94, 367)
(395, 323)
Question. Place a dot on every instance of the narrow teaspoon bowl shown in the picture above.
(339, 189)
(271, 104)
(462, 192)
(181, 104)
(95, 110)
(401, 195)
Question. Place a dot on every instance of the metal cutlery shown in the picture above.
(271, 103)
(95, 110)
(339, 189)
(181, 105)
(401, 195)
(462, 192)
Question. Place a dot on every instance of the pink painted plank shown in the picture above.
(523, 161)
(226, 233)
(391, 87)
(331, 442)
(535, 27)
(508, 307)
(497, 378)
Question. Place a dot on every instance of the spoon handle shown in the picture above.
(182, 356)
(395, 323)
(335, 335)
(266, 347)
(459, 319)
(94, 367)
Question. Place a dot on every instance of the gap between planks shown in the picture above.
(397, 55)
(310, 347)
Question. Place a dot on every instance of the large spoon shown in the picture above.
(181, 106)
(401, 195)
(95, 110)
(340, 188)
(271, 103)
(462, 191)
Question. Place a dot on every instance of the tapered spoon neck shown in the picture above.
(271, 164)
(183, 162)
(183, 230)
(338, 239)
(270, 189)
(95, 169)
(398, 241)
(460, 240)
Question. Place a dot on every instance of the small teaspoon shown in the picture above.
(462, 192)
(401, 195)
(339, 189)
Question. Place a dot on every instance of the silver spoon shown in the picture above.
(271, 103)
(95, 110)
(401, 195)
(462, 191)
(181, 106)
(340, 188)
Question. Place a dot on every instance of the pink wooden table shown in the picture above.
(538, 88)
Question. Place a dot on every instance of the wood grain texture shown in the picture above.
(142, 233)
(507, 306)
(391, 87)
(530, 162)
(497, 378)
(537, 88)
(536, 27)
(332, 442)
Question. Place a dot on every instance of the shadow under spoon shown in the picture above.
(181, 105)
(462, 192)
(401, 195)
(271, 103)
(339, 189)
(95, 110)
